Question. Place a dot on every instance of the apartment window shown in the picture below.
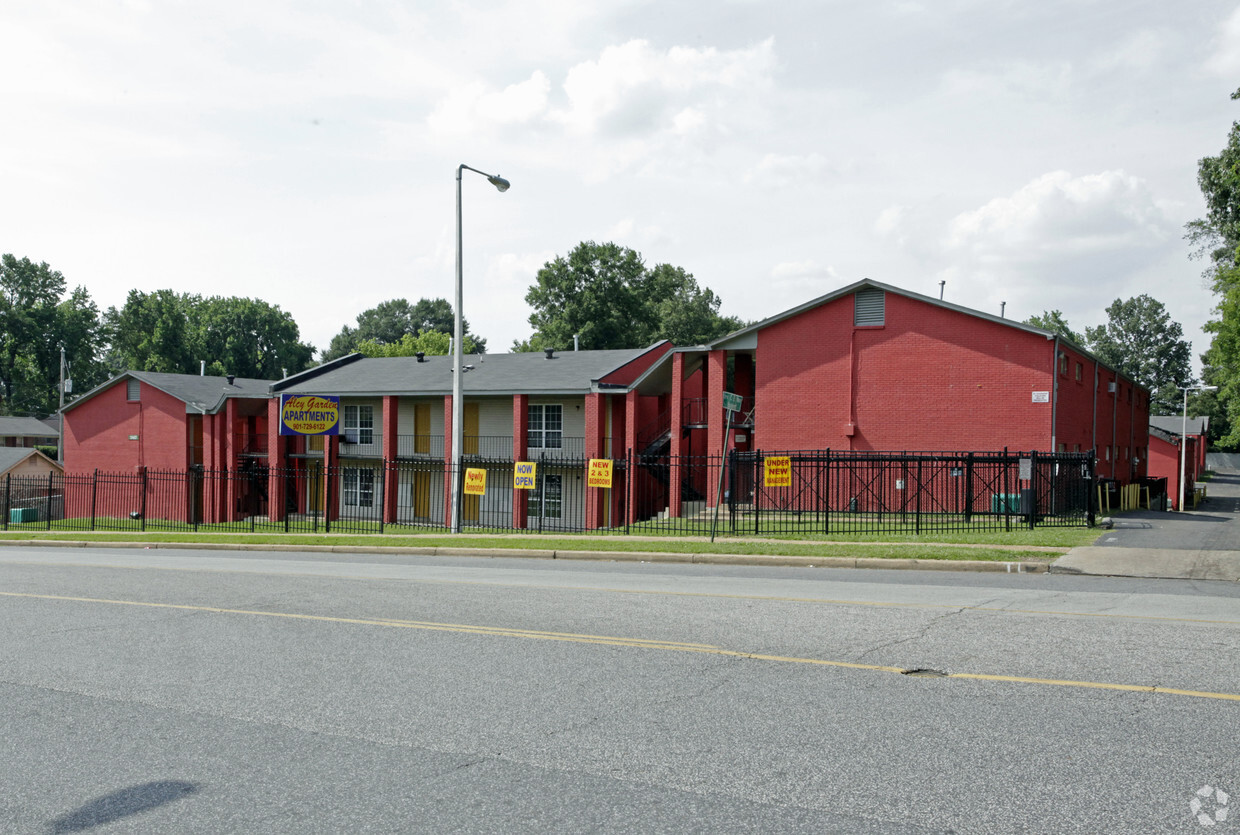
(359, 488)
(1063, 364)
(1080, 372)
(359, 424)
(553, 487)
(546, 429)
(133, 389)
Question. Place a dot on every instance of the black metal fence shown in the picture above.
(811, 492)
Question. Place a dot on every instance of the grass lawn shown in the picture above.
(1016, 545)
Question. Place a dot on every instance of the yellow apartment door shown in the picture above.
(422, 494)
(421, 429)
(470, 447)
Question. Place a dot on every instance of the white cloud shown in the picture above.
(1060, 216)
(781, 170)
(1141, 50)
(474, 105)
(635, 88)
(1225, 58)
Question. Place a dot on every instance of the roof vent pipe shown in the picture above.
(421, 355)
(202, 368)
(1002, 307)
(575, 348)
(231, 377)
(550, 353)
(942, 281)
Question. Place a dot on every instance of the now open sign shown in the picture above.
(475, 481)
(524, 474)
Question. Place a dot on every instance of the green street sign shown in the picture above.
(731, 402)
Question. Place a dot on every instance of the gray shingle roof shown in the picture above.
(199, 393)
(25, 427)
(1173, 424)
(11, 456)
(570, 372)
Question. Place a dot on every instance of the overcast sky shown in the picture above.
(1039, 153)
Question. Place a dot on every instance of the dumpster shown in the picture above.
(1005, 503)
(17, 515)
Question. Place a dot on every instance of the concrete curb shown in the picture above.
(896, 564)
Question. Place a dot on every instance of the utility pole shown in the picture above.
(60, 436)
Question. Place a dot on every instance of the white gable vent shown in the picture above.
(869, 307)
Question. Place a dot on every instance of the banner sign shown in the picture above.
(777, 471)
(309, 414)
(475, 481)
(599, 473)
(523, 475)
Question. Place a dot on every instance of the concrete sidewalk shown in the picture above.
(1199, 544)
(1162, 563)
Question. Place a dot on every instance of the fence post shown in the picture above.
(327, 497)
(826, 470)
(142, 512)
(94, 493)
(628, 487)
(47, 505)
(1033, 489)
(1091, 493)
(917, 500)
(8, 486)
(1007, 505)
(968, 490)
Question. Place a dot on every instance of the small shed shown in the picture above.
(25, 461)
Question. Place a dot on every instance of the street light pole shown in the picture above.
(1184, 439)
(458, 405)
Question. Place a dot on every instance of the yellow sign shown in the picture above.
(475, 481)
(600, 473)
(523, 475)
(309, 414)
(777, 471)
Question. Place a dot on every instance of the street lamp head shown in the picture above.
(499, 182)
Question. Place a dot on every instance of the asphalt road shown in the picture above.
(181, 691)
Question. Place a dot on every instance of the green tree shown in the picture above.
(1217, 236)
(1140, 340)
(390, 321)
(247, 337)
(151, 332)
(34, 323)
(1054, 321)
(173, 332)
(605, 295)
(429, 342)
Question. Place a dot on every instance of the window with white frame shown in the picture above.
(546, 429)
(359, 488)
(552, 487)
(359, 424)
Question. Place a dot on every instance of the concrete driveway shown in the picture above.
(1200, 544)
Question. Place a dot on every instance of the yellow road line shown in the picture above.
(635, 643)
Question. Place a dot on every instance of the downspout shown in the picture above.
(1055, 395)
(1132, 433)
(1093, 428)
(1115, 422)
(852, 387)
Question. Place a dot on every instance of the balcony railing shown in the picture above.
(420, 446)
(250, 444)
(494, 447)
(361, 443)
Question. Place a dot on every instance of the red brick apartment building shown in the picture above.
(867, 367)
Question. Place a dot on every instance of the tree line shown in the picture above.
(602, 293)
(598, 296)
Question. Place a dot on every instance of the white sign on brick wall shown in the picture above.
(1041, 397)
